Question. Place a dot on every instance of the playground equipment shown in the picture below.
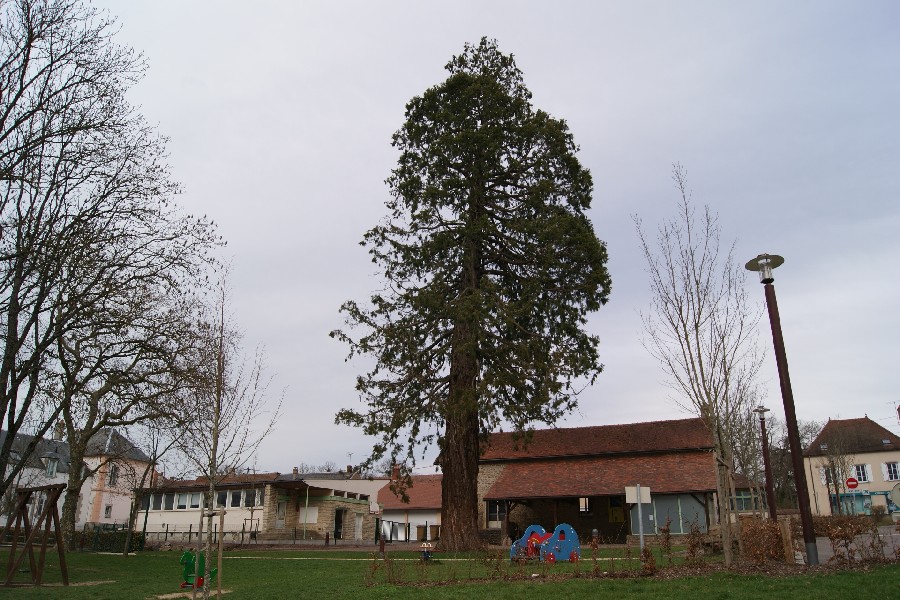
(536, 543)
(188, 573)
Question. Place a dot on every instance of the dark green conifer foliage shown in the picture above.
(491, 267)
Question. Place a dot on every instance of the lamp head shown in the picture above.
(764, 263)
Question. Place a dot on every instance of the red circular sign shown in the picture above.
(852, 483)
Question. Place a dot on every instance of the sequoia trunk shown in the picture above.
(459, 448)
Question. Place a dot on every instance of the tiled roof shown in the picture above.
(852, 436)
(202, 482)
(106, 442)
(668, 473)
(109, 442)
(425, 493)
(43, 447)
(656, 436)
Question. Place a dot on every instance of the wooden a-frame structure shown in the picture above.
(23, 524)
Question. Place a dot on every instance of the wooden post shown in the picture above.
(51, 514)
(784, 524)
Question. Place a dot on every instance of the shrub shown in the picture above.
(694, 544)
(665, 540)
(762, 540)
(853, 537)
(99, 540)
(648, 561)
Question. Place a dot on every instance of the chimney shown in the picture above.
(395, 473)
(59, 431)
(296, 473)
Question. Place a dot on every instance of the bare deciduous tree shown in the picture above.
(85, 207)
(703, 331)
(780, 456)
(159, 438)
(229, 414)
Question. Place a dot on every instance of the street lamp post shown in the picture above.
(770, 490)
(764, 263)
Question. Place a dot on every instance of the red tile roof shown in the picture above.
(603, 476)
(656, 436)
(425, 493)
(852, 436)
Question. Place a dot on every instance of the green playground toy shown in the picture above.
(189, 562)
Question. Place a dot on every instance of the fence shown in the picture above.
(186, 534)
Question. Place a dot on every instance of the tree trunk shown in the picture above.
(73, 489)
(722, 489)
(459, 447)
(209, 536)
(459, 494)
(68, 517)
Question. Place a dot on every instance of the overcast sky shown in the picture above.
(785, 115)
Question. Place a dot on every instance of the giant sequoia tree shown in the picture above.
(491, 268)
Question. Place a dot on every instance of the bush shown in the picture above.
(762, 540)
(695, 544)
(99, 540)
(853, 537)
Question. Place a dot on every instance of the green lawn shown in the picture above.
(317, 574)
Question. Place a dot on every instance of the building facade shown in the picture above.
(339, 506)
(579, 476)
(419, 519)
(847, 452)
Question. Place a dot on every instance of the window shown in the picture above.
(584, 506)
(892, 470)
(182, 501)
(250, 498)
(195, 500)
(262, 497)
(221, 499)
(744, 501)
(107, 512)
(235, 498)
(496, 511)
(156, 503)
(169, 503)
(113, 475)
(829, 476)
(51, 466)
(862, 473)
(145, 502)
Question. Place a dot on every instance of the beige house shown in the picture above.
(847, 450)
(117, 466)
(114, 464)
(341, 506)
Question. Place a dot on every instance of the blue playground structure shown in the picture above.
(536, 543)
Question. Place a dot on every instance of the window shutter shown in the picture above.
(869, 473)
(884, 472)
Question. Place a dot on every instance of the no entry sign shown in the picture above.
(852, 483)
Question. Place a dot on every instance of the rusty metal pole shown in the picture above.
(770, 489)
(790, 415)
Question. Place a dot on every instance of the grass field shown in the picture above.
(352, 575)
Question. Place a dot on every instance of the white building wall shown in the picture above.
(395, 524)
